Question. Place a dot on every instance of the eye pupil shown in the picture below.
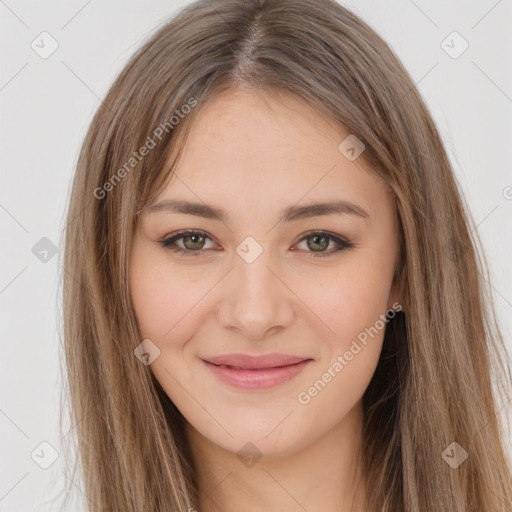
(192, 243)
(316, 239)
(194, 239)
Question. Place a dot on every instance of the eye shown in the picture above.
(192, 243)
(320, 240)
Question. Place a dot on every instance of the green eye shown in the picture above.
(318, 242)
(193, 243)
(196, 241)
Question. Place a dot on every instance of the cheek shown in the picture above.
(166, 302)
(350, 300)
(354, 308)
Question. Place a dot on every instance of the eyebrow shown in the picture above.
(288, 214)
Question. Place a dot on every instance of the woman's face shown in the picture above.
(259, 278)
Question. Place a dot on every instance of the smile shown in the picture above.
(256, 378)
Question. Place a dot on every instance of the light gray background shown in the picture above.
(47, 104)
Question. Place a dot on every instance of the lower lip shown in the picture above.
(264, 378)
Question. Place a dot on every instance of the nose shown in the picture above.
(256, 301)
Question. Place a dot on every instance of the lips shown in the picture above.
(247, 362)
(253, 373)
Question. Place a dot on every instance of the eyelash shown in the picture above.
(169, 243)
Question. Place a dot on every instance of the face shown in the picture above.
(261, 275)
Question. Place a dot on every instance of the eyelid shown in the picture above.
(169, 240)
(342, 242)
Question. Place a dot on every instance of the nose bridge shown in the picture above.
(255, 301)
(254, 278)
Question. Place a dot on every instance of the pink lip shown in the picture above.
(260, 372)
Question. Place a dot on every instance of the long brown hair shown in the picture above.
(434, 395)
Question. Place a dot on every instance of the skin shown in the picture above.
(254, 158)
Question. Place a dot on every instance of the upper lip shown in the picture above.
(248, 362)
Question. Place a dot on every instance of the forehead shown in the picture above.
(249, 149)
(266, 126)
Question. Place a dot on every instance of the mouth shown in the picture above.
(262, 372)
